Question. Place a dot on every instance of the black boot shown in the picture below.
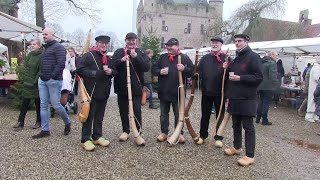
(258, 119)
(42, 134)
(152, 106)
(67, 129)
(19, 125)
(36, 125)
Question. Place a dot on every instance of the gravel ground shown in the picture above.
(289, 149)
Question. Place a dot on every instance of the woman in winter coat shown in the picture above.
(29, 77)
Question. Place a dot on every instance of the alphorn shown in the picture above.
(85, 103)
(193, 134)
(223, 124)
(214, 128)
(85, 98)
(172, 140)
(137, 137)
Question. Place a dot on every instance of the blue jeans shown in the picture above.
(51, 91)
(149, 86)
(263, 106)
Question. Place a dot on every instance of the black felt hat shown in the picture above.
(217, 39)
(131, 35)
(243, 36)
(172, 41)
(103, 38)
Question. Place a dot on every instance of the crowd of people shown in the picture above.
(249, 78)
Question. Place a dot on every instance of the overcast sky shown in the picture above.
(117, 15)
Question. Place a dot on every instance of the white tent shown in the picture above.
(294, 46)
(3, 48)
(14, 29)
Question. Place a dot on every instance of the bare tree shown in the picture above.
(246, 14)
(53, 10)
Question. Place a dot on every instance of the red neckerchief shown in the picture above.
(171, 57)
(104, 55)
(217, 55)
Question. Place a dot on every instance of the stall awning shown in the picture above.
(294, 46)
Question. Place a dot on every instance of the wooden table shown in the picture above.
(8, 80)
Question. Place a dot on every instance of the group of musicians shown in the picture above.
(243, 77)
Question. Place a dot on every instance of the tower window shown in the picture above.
(162, 42)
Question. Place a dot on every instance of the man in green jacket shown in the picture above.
(267, 87)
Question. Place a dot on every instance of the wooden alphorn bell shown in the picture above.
(172, 140)
(214, 128)
(193, 134)
(137, 137)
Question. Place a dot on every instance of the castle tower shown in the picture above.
(218, 6)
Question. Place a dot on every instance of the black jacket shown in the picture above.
(211, 74)
(168, 84)
(138, 65)
(248, 66)
(53, 61)
(91, 75)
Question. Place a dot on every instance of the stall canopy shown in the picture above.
(14, 29)
(3, 48)
(294, 46)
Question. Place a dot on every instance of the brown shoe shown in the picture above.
(182, 140)
(232, 151)
(162, 137)
(245, 161)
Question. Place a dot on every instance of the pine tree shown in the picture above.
(152, 42)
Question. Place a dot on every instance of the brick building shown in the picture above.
(191, 21)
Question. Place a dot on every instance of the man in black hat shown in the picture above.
(96, 73)
(244, 78)
(139, 63)
(166, 68)
(211, 75)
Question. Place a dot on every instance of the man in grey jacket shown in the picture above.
(267, 87)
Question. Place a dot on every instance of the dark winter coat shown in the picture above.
(317, 99)
(30, 75)
(243, 94)
(211, 74)
(94, 76)
(138, 66)
(168, 84)
(247, 65)
(269, 71)
(53, 61)
(147, 75)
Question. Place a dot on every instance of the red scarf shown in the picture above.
(104, 55)
(171, 57)
(217, 55)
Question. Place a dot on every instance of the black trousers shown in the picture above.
(123, 104)
(96, 114)
(24, 109)
(206, 107)
(250, 138)
(164, 116)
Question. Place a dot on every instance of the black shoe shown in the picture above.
(67, 129)
(151, 106)
(42, 134)
(36, 125)
(19, 125)
(267, 123)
